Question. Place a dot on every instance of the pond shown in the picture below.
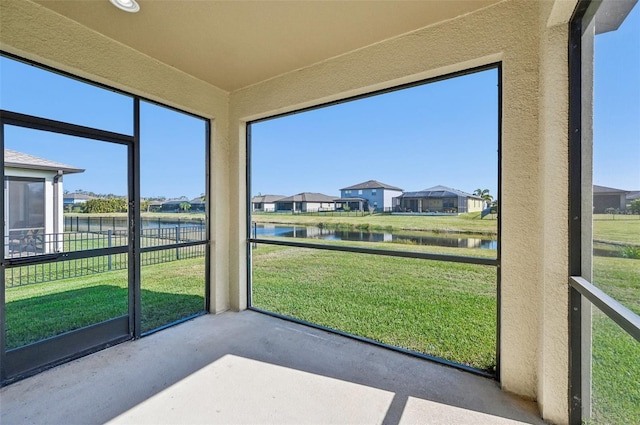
(418, 238)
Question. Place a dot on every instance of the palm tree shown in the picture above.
(485, 195)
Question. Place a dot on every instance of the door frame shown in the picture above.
(27, 360)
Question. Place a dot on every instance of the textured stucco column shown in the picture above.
(39, 34)
(553, 367)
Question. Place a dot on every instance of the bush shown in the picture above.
(635, 207)
(630, 252)
(112, 205)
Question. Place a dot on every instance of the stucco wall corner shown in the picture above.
(553, 367)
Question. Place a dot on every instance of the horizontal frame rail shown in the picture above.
(63, 256)
(172, 246)
(44, 124)
(621, 315)
(386, 252)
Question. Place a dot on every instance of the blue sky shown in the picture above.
(172, 143)
(616, 115)
(439, 133)
(443, 133)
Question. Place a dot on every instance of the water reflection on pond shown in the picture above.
(419, 238)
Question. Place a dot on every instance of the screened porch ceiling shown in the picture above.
(234, 44)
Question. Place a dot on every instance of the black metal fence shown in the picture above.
(93, 233)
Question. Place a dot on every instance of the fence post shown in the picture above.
(100, 224)
(178, 241)
(109, 233)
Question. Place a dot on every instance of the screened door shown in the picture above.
(66, 286)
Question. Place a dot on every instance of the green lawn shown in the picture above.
(170, 291)
(464, 223)
(446, 310)
(619, 229)
(616, 355)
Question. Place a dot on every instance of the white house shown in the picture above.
(265, 203)
(306, 202)
(34, 203)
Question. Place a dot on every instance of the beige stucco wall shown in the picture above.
(530, 39)
(36, 33)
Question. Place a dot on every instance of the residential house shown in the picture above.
(33, 203)
(197, 204)
(176, 205)
(306, 202)
(439, 200)
(605, 198)
(72, 200)
(265, 203)
(371, 193)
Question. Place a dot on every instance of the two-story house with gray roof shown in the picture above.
(371, 193)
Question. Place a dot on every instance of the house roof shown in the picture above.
(17, 159)
(77, 196)
(308, 197)
(439, 192)
(371, 184)
(605, 189)
(633, 194)
(267, 198)
(176, 202)
(351, 199)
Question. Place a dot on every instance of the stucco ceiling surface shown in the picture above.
(233, 44)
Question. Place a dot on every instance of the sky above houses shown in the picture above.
(440, 133)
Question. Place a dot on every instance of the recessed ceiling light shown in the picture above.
(126, 5)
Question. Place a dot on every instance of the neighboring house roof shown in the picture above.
(77, 197)
(197, 200)
(633, 195)
(266, 198)
(438, 192)
(351, 199)
(604, 189)
(308, 197)
(176, 202)
(17, 159)
(371, 184)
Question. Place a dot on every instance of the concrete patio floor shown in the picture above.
(250, 368)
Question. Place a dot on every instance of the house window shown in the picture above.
(347, 272)
(604, 226)
(373, 192)
(25, 203)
